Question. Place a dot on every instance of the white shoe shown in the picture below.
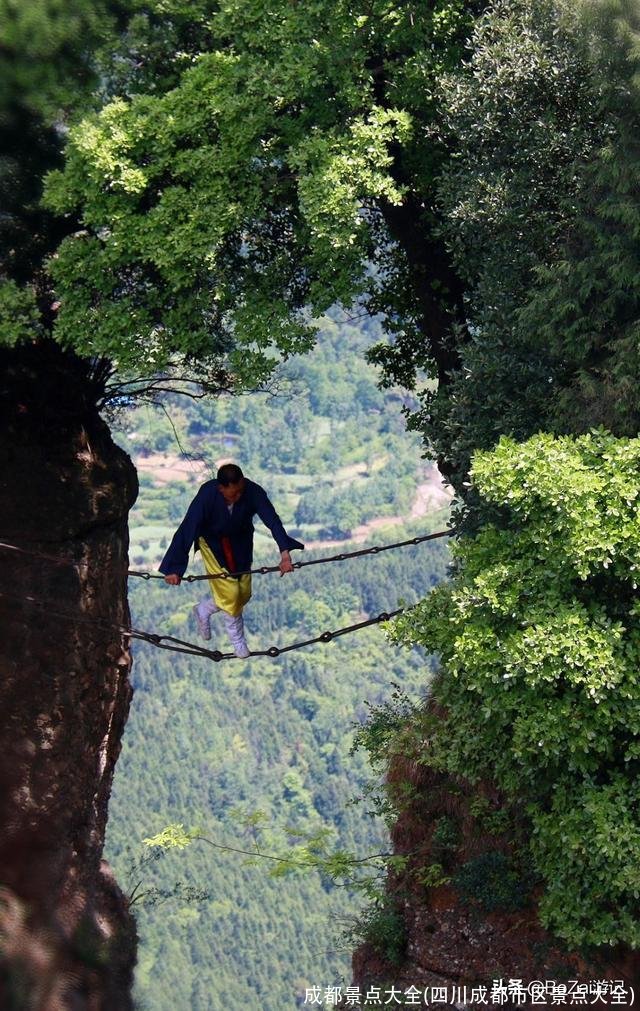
(202, 613)
(235, 631)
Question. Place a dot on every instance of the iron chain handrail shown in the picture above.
(374, 550)
(343, 556)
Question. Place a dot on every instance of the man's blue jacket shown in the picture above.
(208, 516)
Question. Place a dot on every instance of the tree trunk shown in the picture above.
(67, 937)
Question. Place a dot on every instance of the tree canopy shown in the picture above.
(254, 180)
(255, 164)
(539, 212)
(47, 70)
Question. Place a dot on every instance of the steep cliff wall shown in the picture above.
(465, 903)
(68, 940)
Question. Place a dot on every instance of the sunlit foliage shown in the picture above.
(539, 638)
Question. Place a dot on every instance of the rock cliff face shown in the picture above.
(451, 940)
(67, 938)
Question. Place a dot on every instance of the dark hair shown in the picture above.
(228, 474)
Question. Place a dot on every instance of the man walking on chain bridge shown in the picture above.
(219, 521)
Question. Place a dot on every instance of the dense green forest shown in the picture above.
(217, 746)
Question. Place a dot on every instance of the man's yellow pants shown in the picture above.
(229, 594)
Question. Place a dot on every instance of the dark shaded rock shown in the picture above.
(68, 940)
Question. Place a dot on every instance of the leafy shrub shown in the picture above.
(445, 840)
(539, 637)
(382, 926)
(493, 883)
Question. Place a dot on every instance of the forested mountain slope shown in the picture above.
(213, 746)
